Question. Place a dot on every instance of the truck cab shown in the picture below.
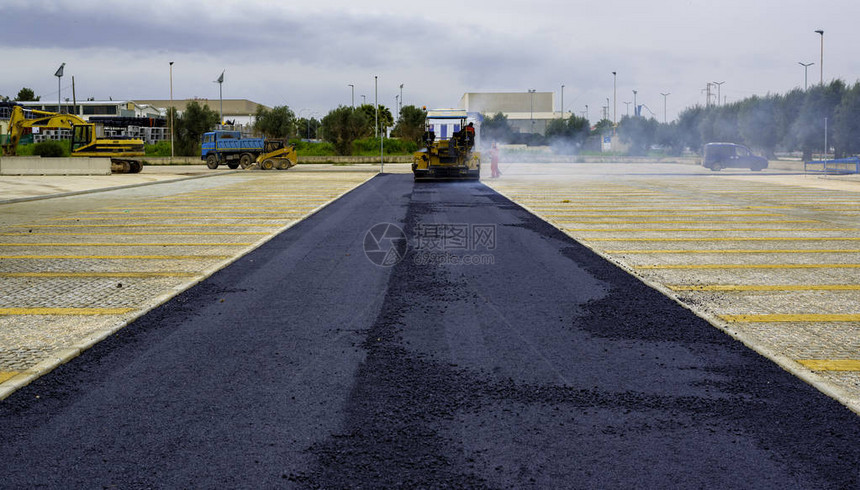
(231, 148)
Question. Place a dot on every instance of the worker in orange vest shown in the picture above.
(494, 161)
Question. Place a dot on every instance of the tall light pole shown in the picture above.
(532, 113)
(401, 99)
(376, 105)
(363, 98)
(635, 107)
(821, 61)
(220, 83)
(352, 86)
(172, 110)
(614, 98)
(59, 75)
(719, 85)
(586, 111)
(628, 107)
(562, 101)
(805, 73)
(396, 103)
(664, 104)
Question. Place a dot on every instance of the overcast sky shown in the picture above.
(304, 54)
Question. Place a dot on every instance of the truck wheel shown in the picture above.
(268, 164)
(246, 160)
(212, 162)
(232, 165)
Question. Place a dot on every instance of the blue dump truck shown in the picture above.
(229, 147)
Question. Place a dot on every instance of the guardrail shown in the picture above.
(837, 166)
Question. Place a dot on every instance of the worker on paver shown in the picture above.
(470, 135)
(494, 161)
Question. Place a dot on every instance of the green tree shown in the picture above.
(820, 103)
(567, 135)
(757, 121)
(344, 125)
(496, 129)
(602, 127)
(190, 126)
(386, 120)
(27, 95)
(308, 128)
(639, 132)
(410, 124)
(279, 122)
(846, 123)
(688, 127)
(670, 138)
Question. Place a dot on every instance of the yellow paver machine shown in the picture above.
(448, 152)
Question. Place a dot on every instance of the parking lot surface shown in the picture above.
(773, 258)
(75, 269)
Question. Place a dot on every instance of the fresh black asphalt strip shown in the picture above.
(495, 352)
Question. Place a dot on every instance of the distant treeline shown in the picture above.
(791, 122)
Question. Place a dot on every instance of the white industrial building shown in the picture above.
(527, 112)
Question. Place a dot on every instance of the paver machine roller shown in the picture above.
(449, 148)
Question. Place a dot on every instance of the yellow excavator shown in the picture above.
(122, 152)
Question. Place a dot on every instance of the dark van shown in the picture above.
(724, 155)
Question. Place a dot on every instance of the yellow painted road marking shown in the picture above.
(124, 244)
(65, 311)
(663, 230)
(237, 207)
(791, 318)
(657, 213)
(4, 375)
(117, 257)
(785, 287)
(729, 239)
(159, 214)
(169, 225)
(737, 251)
(651, 221)
(99, 274)
(283, 217)
(749, 266)
(831, 364)
(136, 233)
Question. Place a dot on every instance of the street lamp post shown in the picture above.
(821, 61)
(352, 86)
(635, 107)
(664, 104)
(59, 75)
(220, 83)
(376, 105)
(627, 104)
(401, 99)
(172, 110)
(805, 73)
(614, 98)
(363, 98)
(719, 86)
(532, 111)
(586, 111)
(562, 101)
